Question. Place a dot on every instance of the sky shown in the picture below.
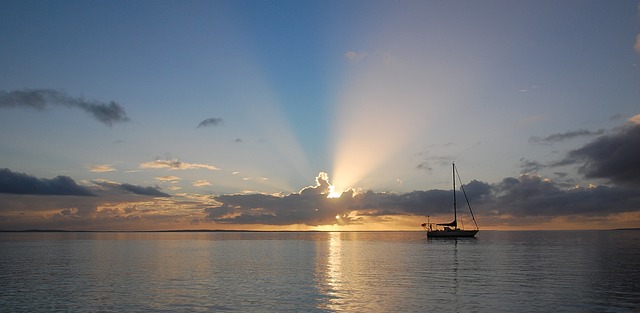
(318, 115)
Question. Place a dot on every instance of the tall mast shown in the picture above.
(455, 213)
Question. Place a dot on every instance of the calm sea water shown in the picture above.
(559, 271)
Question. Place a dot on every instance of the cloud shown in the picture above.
(112, 209)
(637, 45)
(526, 200)
(255, 178)
(424, 166)
(201, 183)
(168, 178)
(101, 168)
(614, 157)
(134, 189)
(565, 136)
(36, 203)
(175, 164)
(530, 166)
(144, 191)
(20, 183)
(107, 113)
(531, 199)
(213, 121)
(310, 206)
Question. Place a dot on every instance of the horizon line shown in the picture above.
(272, 231)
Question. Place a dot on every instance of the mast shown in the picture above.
(455, 213)
(467, 199)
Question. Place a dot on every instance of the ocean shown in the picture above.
(498, 271)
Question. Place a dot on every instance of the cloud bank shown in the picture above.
(106, 113)
(23, 184)
(27, 202)
(613, 157)
(528, 200)
(525, 200)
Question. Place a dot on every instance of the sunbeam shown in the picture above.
(382, 109)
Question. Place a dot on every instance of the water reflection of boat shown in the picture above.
(451, 230)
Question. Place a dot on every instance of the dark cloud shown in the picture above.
(27, 202)
(310, 206)
(565, 136)
(614, 157)
(530, 166)
(23, 184)
(144, 191)
(561, 174)
(531, 198)
(134, 189)
(424, 166)
(107, 113)
(525, 200)
(20, 183)
(213, 121)
(514, 201)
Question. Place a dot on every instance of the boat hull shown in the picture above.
(457, 233)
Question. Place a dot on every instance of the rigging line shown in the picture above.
(467, 199)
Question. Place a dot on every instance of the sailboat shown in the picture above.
(452, 230)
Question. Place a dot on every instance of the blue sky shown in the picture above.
(380, 95)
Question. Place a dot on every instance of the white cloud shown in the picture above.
(175, 164)
(201, 183)
(255, 179)
(169, 178)
(101, 168)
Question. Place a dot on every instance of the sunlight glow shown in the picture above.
(382, 109)
(333, 193)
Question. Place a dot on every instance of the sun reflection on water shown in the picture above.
(334, 282)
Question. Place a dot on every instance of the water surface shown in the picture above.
(560, 271)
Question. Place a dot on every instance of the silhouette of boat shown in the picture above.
(451, 230)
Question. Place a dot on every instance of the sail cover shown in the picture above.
(453, 224)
